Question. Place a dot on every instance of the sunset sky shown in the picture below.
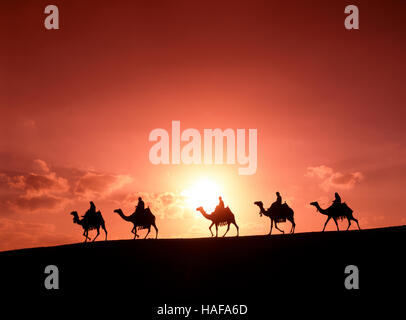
(78, 104)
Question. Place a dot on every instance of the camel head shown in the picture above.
(260, 205)
(75, 217)
(118, 211)
(200, 209)
(315, 203)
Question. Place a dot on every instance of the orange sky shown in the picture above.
(78, 103)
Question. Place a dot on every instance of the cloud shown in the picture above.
(35, 185)
(36, 203)
(335, 180)
(320, 172)
(167, 205)
(41, 166)
(34, 191)
(47, 189)
(99, 185)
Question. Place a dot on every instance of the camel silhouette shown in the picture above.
(143, 220)
(336, 212)
(220, 218)
(277, 214)
(90, 223)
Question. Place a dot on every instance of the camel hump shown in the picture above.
(149, 212)
(99, 215)
(346, 207)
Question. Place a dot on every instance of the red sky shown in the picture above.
(78, 103)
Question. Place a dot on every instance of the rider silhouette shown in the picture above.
(220, 206)
(337, 199)
(91, 212)
(140, 206)
(278, 198)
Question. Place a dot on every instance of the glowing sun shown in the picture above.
(203, 193)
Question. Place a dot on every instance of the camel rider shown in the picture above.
(91, 212)
(220, 206)
(278, 199)
(337, 200)
(140, 206)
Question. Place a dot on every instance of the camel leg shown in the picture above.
(149, 229)
(134, 230)
(335, 220)
(270, 232)
(328, 219)
(98, 232)
(276, 226)
(105, 230)
(210, 229)
(356, 222)
(238, 229)
(292, 230)
(349, 223)
(85, 233)
(156, 231)
(228, 228)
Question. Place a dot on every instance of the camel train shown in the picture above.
(278, 212)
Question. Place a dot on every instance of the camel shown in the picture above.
(335, 213)
(277, 215)
(140, 221)
(220, 218)
(90, 223)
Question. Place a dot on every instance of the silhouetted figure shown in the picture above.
(140, 206)
(140, 221)
(220, 206)
(278, 198)
(337, 200)
(95, 221)
(92, 208)
(90, 215)
(336, 211)
(220, 217)
(277, 213)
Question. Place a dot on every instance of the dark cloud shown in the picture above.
(51, 189)
(37, 203)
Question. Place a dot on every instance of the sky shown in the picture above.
(77, 106)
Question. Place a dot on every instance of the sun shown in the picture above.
(204, 193)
